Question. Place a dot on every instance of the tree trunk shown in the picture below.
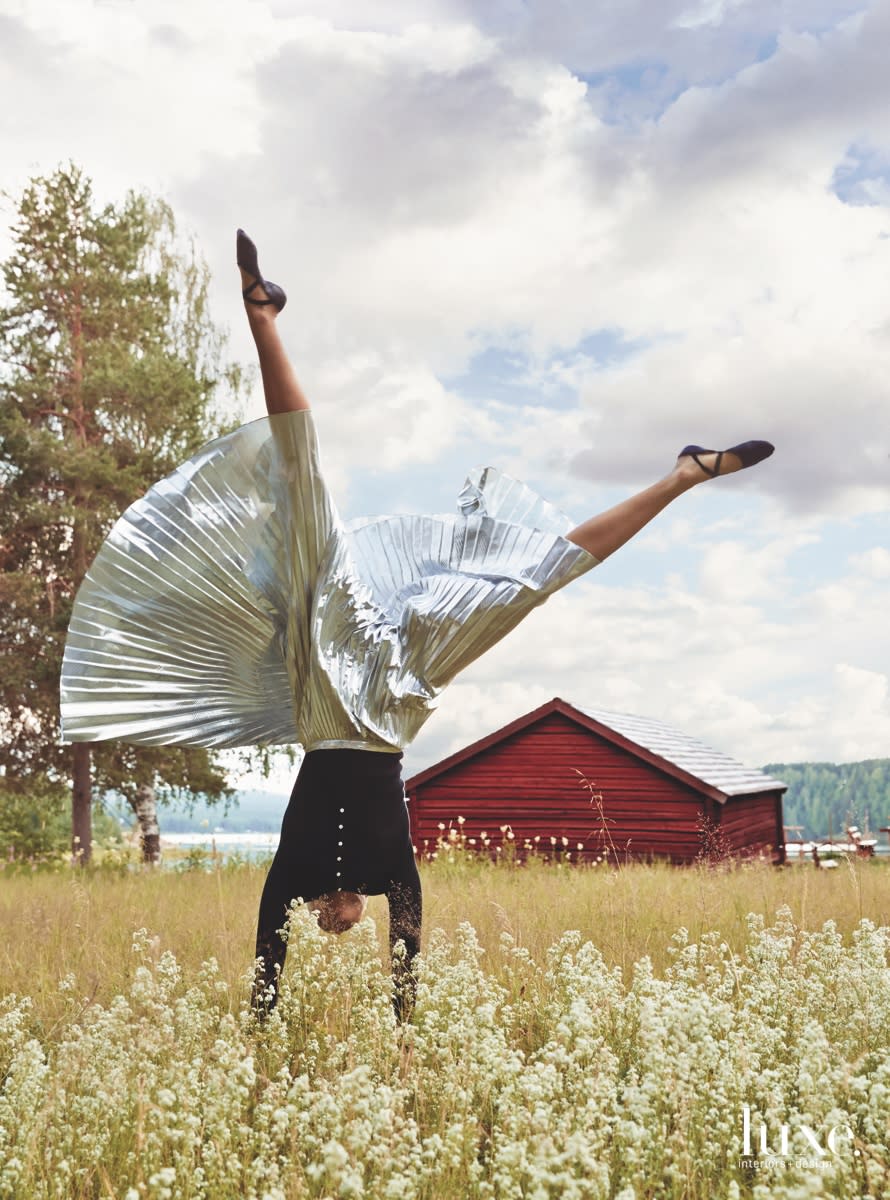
(146, 811)
(81, 805)
(82, 791)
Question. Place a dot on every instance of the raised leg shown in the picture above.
(605, 533)
(282, 391)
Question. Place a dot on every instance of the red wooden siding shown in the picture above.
(753, 824)
(530, 781)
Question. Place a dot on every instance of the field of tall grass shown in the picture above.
(579, 1033)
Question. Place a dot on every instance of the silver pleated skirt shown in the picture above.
(230, 606)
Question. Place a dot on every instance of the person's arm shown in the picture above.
(405, 917)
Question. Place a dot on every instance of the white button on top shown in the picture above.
(339, 826)
(342, 810)
(339, 843)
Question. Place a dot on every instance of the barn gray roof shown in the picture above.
(688, 753)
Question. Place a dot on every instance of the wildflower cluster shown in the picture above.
(454, 843)
(563, 1080)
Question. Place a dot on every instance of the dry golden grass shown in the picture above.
(57, 922)
(615, 1063)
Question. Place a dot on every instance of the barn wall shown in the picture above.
(530, 781)
(754, 824)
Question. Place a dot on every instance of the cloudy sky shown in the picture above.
(564, 238)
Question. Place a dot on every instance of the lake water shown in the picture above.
(246, 845)
(262, 845)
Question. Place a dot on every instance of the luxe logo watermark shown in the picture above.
(801, 1147)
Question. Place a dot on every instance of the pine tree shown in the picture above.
(111, 370)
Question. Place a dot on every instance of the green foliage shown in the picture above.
(34, 826)
(37, 826)
(826, 797)
(111, 375)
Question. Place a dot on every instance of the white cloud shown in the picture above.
(874, 562)
(379, 414)
(705, 12)
(736, 570)
(768, 674)
(138, 94)
(855, 712)
(436, 178)
(430, 205)
(422, 189)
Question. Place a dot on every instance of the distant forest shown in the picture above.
(260, 812)
(826, 797)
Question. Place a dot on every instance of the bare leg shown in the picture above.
(605, 533)
(282, 391)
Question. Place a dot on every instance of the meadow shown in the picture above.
(579, 1033)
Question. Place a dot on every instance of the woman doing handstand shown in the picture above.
(231, 606)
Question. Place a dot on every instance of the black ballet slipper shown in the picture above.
(748, 454)
(247, 261)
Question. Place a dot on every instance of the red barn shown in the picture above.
(586, 783)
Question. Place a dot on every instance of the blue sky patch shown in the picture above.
(862, 177)
(509, 374)
(633, 91)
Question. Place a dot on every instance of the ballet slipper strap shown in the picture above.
(250, 300)
(707, 470)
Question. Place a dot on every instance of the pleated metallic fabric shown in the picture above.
(230, 605)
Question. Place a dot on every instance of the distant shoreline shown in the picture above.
(250, 844)
(257, 843)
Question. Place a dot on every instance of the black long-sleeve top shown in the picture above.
(346, 828)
